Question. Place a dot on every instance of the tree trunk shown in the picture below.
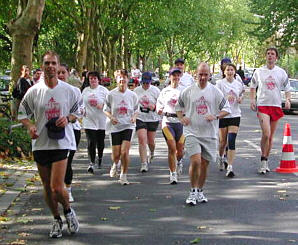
(23, 30)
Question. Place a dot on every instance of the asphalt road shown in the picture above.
(248, 209)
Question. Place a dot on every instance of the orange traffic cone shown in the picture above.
(287, 162)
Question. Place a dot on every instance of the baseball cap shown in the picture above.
(146, 77)
(225, 60)
(179, 60)
(55, 132)
(173, 70)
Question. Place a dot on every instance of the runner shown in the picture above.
(203, 104)
(54, 104)
(121, 108)
(172, 129)
(233, 91)
(94, 119)
(269, 80)
(63, 74)
(147, 120)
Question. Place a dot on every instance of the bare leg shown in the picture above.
(125, 146)
(172, 155)
(142, 137)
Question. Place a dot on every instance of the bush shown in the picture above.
(16, 144)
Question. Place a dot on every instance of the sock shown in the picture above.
(58, 217)
(67, 211)
(194, 189)
(264, 159)
(200, 190)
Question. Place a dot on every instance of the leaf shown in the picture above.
(24, 234)
(103, 219)
(18, 242)
(114, 208)
(36, 209)
(4, 219)
(24, 220)
(281, 191)
(195, 241)
(203, 227)
(152, 209)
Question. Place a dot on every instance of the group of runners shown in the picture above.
(192, 113)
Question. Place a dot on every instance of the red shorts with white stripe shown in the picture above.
(274, 112)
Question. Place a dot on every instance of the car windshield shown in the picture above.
(294, 85)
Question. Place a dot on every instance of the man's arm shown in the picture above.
(252, 96)
(288, 100)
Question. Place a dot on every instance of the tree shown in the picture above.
(23, 29)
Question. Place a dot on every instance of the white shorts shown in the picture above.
(204, 146)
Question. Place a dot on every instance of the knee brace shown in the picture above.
(231, 140)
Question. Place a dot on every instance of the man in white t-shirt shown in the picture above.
(269, 80)
(203, 104)
(54, 104)
(186, 79)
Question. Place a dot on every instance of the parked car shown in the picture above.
(294, 96)
(155, 79)
(248, 75)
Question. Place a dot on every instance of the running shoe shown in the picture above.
(180, 167)
(151, 156)
(72, 222)
(192, 198)
(201, 197)
(230, 172)
(90, 168)
(70, 197)
(113, 171)
(262, 167)
(220, 163)
(144, 167)
(123, 179)
(173, 178)
(119, 167)
(267, 167)
(57, 228)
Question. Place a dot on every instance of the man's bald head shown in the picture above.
(203, 72)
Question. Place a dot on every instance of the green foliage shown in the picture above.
(16, 144)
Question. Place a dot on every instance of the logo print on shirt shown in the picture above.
(52, 109)
(145, 101)
(172, 102)
(270, 83)
(201, 106)
(232, 97)
(122, 108)
(92, 100)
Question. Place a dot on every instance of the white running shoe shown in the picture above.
(151, 156)
(262, 167)
(192, 198)
(180, 167)
(90, 168)
(57, 228)
(267, 167)
(201, 197)
(119, 167)
(70, 197)
(144, 167)
(72, 222)
(123, 179)
(173, 178)
(113, 171)
(220, 163)
(230, 172)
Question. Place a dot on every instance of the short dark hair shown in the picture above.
(51, 53)
(36, 70)
(124, 72)
(95, 74)
(225, 67)
(65, 66)
(273, 49)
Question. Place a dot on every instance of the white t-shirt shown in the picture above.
(196, 104)
(145, 97)
(232, 91)
(185, 81)
(270, 83)
(166, 101)
(94, 118)
(46, 103)
(76, 125)
(122, 106)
